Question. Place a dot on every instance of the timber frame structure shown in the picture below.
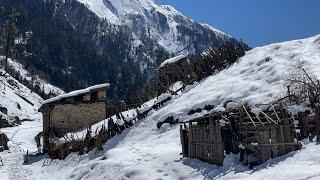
(256, 137)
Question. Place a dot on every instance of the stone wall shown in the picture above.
(70, 117)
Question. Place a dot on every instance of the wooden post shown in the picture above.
(317, 119)
(183, 145)
(190, 151)
(281, 140)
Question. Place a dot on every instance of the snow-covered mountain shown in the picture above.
(21, 103)
(96, 41)
(161, 23)
(22, 106)
(154, 31)
(145, 152)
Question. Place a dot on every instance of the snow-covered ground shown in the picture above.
(145, 152)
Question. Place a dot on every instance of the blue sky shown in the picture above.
(258, 22)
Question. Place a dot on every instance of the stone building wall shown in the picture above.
(70, 117)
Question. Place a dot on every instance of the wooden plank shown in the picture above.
(249, 116)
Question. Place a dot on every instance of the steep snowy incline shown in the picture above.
(145, 152)
(258, 77)
(18, 99)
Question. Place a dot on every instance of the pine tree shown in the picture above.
(10, 31)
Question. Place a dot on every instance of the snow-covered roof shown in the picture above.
(172, 60)
(76, 93)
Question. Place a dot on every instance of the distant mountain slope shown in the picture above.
(161, 23)
(48, 45)
(20, 100)
(77, 43)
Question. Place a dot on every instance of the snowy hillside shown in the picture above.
(257, 78)
(18, 99)
(145, 152)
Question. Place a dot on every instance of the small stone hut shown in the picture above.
(75, 110)
(178, 68)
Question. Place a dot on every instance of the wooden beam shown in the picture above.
(268, 117)
(249, 116)
(276, 114)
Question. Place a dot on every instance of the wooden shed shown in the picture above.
(256, 137)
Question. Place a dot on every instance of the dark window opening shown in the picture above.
(78, 98)
(94, 96)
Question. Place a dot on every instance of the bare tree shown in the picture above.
(304, 85)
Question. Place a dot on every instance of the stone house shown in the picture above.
(75, 110)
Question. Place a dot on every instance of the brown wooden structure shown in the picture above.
(256, 137)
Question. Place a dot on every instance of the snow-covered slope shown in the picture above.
(18, 99)
(145, 152)
(258, 78)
